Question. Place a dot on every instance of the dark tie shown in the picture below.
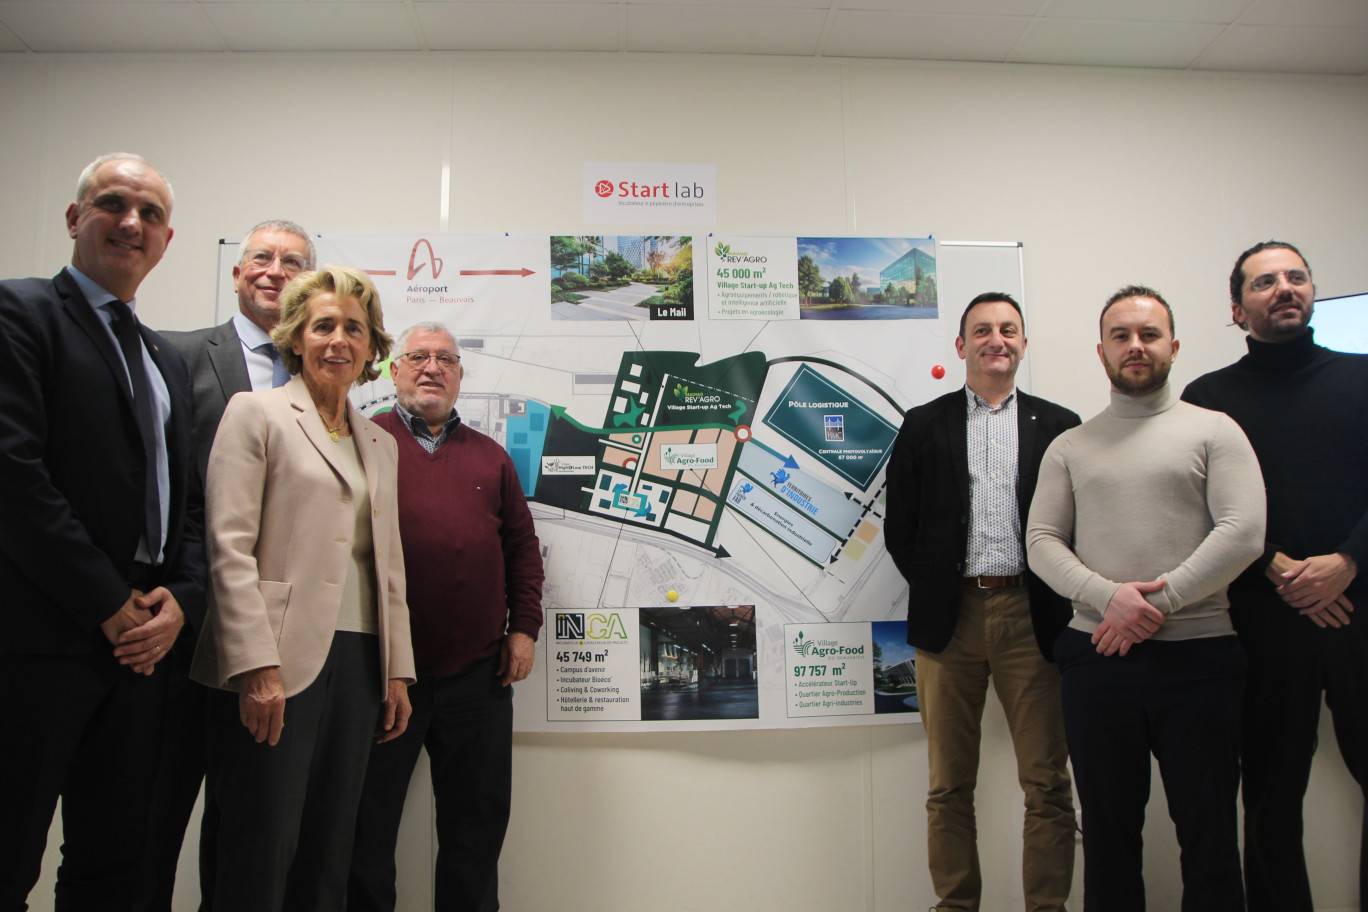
(125, 328)
(279, 375)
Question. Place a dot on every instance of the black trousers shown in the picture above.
(1292, 663)
(287, 813)
(87, 730)
(465, 721)
(1180, 701)
(179, 774)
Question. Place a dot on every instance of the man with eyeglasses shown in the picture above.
(474, 575)
(1303, 408)
(236, 356)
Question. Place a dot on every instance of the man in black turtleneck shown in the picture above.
(1305, 410)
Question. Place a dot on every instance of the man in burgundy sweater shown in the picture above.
(474, 572)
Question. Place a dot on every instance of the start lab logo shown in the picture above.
(648, 193)
(416, 266)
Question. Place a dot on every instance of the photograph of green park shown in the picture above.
(854, 278)
(622, 277)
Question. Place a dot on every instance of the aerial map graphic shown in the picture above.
(697, 486)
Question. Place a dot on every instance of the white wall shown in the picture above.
(1107, 176)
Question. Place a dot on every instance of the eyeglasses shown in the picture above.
(292, 264)
(1295, 277)
(419, 359)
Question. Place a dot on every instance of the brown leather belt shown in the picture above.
(995, 582)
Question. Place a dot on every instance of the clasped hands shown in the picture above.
(144, 629)
(1128, 618)
(1315, 586)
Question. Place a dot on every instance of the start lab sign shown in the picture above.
(649, 193)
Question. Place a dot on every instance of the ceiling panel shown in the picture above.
(960, 7)
(347, 26)
(1210, 11)
(110, 2)
(1288, 50)
(1329, 13)
(917, 36)
(724, 31)
(10, 41)
(1126, 44)
(721, 5)
(613, 3)
(66, 25)
(519, 26)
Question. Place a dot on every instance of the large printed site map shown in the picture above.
(710, 513)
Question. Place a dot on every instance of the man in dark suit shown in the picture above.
(233, 357)
(101, 542)
(238, 356)
(960, 482)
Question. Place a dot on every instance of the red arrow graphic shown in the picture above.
(524, 272)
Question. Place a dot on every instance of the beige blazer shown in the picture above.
(279, 519)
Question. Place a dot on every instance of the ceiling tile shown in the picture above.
(1329, 13)
(1210, 11)
(109, 26)
(612, 3)
(519, 26)
(1261, 48)
(105, 2)
(915, 36)
(10, 41)
(733, 30)
(958, 7)
(348, 26)
(721, 5)
(1123, 44)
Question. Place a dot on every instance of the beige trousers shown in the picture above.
(994, 639)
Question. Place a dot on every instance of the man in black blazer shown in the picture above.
(960, 482)
(233, 357)
(101, 542)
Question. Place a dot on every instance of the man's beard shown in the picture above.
(1284, 328)
(1139, 385)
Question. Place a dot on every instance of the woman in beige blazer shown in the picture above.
(307, 637)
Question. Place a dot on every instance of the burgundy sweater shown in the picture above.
(471, 554)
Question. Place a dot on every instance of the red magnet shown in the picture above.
(938, 372)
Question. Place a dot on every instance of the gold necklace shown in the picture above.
(333, 431)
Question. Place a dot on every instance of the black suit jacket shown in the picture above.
(218, 371)
(926, 529)
(71, 474)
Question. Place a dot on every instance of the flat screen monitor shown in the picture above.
(1342, 323)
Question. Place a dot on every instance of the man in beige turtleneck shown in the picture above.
(1142, 516)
